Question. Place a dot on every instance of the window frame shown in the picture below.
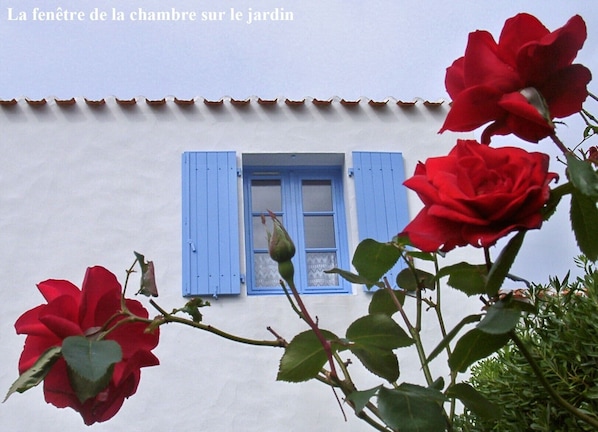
(292, 178)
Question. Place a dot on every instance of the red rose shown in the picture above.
(70, 312)
(521, 83)
(477, 194)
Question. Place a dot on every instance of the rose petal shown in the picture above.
(98, 282)
(54, 288)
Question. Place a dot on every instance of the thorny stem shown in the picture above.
(314, 326)
(585, 115)
(414, 334)
(168, 318)
(279, 342)
(560, 144)
(123, 304)
(290, 299)
(487, 258)
(557, 398)
(438, 310)
(593, 96)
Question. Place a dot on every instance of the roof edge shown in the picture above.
(348, 103)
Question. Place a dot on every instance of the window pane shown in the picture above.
(260, 238)
(319, 231)
(265, 195)
(317, 195)
(266, 271)
(317, 262)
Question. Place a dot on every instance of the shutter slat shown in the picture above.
(381, 197)
(210, 224)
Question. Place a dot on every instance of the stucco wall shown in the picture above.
(83, 185)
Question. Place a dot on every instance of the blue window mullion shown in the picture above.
(292, 199)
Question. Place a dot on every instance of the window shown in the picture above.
(309, 203)
(306, 192)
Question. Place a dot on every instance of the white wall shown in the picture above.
(83, 185)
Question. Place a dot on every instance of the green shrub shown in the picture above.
(563, 338)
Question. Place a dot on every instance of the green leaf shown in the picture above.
(355, 278)
(554, 199)
(424, 256)
(303, 357)
(582, 175)
(373, 259)
(361, 398)
(383, 363)
(410, 281)
(192, 308)
(383, 303)
(451, 335)
(411, 408)
(473, 346)
(378, 330)
(467, 278)
(372, 339)
(90, 363)
(584, 221)
(500, 268)
(500, 318)
(474, 401)
(36, 373)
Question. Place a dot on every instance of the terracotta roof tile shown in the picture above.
(39, 102)
(65, 102)
(228, 100)
(213, 103)
(291, 102)
(184, 102)
(240, 102)
(155, 102)
(322, 102)
(126, 102)
(96, 103)
(268, 102)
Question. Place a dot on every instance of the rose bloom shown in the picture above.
(519, 84)
(477, 194)
(71, 312)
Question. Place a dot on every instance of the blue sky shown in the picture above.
(348, 48)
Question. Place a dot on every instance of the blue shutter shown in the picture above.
(210, 224)
(381, 197)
